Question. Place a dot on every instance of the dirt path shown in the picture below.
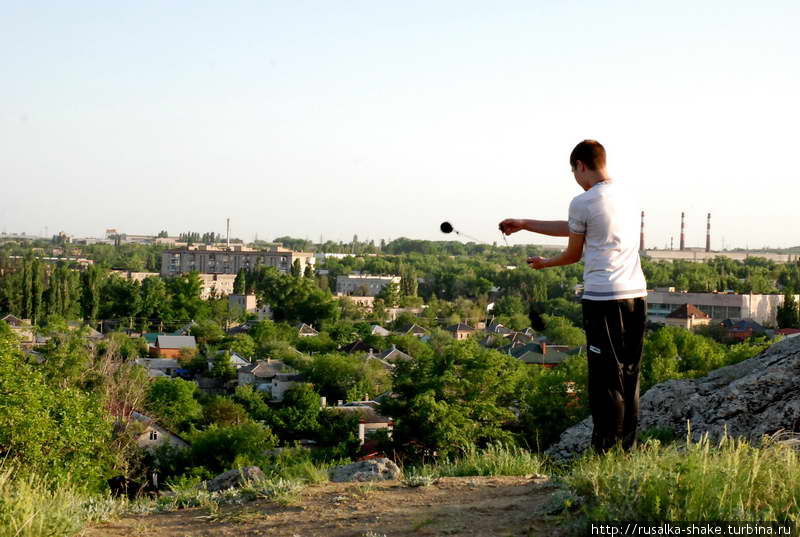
(462, 506)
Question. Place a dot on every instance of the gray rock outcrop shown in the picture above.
(755, 397)
(370, 470)
(234, 478)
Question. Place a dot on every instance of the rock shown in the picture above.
(370, 470)
(755, 397)
(234, 478)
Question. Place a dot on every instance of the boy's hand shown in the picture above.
(536, 262)
(510, 225)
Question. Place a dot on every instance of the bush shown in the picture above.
(173, 400)
(222, 448)
(62, 432)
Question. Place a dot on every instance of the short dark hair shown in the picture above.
(591, 153)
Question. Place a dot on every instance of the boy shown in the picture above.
(603, 228)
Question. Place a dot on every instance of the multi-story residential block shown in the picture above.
(229, 260)
(363, 284)
(135, 276)
(216, 285)
(719, 306)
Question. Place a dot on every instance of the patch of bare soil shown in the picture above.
(458, 506)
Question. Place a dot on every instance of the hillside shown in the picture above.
(459, 506)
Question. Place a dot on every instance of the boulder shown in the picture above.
(756, 397)
(234, 478)
(380, 469)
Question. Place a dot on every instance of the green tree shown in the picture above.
(184, 292)
(254, 402)
(336, 375)
(207, 331)
(788, 315)
(408, 282)
(560, 331)
(509, 305)
(172, 399)
(155, 304)
(390, 294)
(224, 412)
(243, 345)
(221, 448)
(90, 293)
(459, 397)
(240, 283)
(294, 299)
(553, 400)
(222, 368)
(659, 358)
(62, 432)
(119, 298)
(297, 270)
(298, 415)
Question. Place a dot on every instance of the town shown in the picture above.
(204, 340)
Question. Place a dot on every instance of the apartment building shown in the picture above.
(363, 284)
(229, 260)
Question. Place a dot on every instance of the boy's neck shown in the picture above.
(597, 176)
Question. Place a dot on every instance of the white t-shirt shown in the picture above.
(609, 221)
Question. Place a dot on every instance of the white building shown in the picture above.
(154, 435)
(249, 304)
(271, 376)
(719, 306)
(363, 284)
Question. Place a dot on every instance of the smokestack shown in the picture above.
(641, 235)
(683, 237)
(708, 233)
(228, 240)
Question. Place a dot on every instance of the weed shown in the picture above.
(730, 480)
(494, 460)
(419, 480)
(422, 523)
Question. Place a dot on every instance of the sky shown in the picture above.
(382, 119)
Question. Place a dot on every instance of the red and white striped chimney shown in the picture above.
(641, 235)
(683, 236)
(708, 233)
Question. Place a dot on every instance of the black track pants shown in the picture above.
(614, 340)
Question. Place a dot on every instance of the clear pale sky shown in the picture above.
(384, 118)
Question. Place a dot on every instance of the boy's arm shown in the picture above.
(571, 255)
(554, 228)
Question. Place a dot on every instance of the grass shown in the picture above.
(186, 494)
(699, 481)
(31, 507)
(494, 460)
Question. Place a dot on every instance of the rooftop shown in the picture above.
(688, 311)
(176, 342)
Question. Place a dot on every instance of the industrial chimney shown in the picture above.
(683, 236)
(228, 232)
(641, 235)
(708, 233)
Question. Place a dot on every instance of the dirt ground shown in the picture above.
(458, 506)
